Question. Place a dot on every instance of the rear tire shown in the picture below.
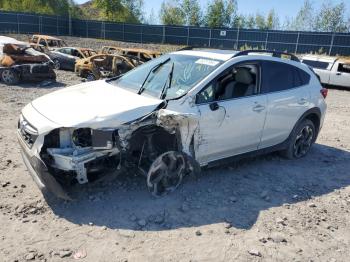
(301, 140)
(10, 77)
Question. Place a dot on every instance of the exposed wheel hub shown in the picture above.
(166, 173)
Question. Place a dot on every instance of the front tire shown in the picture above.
(301, 140)
(10, 77)
(90, 77)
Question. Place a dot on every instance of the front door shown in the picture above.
(232, 114)
(341, 76)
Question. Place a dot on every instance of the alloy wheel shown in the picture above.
(9, 77)
(303, 141)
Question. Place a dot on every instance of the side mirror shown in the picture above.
(214, 106)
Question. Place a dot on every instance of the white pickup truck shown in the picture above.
(333, 71)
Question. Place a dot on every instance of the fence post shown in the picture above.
(141, 33)
(69, 24)
(87, 28)
(237, 38)
(40, 23)
(209, 37)
(56, 24)
(267, 37)
(188, 35)
(17, 24)
(123, 31)
(297, 43)
(331, 46)
(163, 37)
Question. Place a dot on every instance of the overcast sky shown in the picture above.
(285, 8)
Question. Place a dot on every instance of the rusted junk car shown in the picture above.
(48, 41)
(105, 66)
(142, 54)
(20, 62)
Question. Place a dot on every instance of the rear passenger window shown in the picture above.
(316, 64)
(280, 76)
(344, 68)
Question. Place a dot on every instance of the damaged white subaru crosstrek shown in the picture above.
(172, 115)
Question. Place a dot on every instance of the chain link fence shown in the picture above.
(226, 38)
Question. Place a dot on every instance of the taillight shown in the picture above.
(324, 92)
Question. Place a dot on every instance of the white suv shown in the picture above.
(172, 115)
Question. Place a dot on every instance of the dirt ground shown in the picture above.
(262, 209)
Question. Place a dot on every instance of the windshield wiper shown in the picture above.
(154, 69)
(169, 78)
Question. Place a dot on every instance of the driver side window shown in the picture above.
(236, 82)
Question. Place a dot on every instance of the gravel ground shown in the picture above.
(261, 209)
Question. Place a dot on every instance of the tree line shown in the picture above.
(330, 16)
(225, 13)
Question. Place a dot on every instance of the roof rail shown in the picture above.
(274, 54)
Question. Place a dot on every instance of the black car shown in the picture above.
(65, 57)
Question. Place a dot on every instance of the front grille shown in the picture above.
(28, 132)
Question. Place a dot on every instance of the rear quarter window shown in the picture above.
(316, 64)
(278, 76)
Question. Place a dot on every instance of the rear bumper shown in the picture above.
(39, 172)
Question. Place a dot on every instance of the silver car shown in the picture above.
(171, 116)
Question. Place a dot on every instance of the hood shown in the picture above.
(94, 104)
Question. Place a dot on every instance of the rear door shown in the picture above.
(340, 75)
(288, 97)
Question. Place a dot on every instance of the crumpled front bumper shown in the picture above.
(39, 172)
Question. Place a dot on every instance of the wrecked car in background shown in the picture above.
(143, 55)
(170, 116)
(19, 62)
(66, 57)
(48, 41)
(105, 66)
(332, 71)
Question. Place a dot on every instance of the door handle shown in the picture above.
(214, 106)
(338, 74)
(302, 101)
(258, 108)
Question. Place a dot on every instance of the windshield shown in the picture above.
(185, 71)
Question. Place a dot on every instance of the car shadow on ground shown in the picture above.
(48, 84)
(236, 193)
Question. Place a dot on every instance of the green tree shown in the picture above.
(250, 22)
(331, 18)
(221, 13)
(120, 10)
(134, 10)
(50, 7)
(171, 13)
(304, 20)
(272, 20)
(192, 12)
(260, 22)
(151, 18)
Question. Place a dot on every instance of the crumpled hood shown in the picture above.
(94, 104)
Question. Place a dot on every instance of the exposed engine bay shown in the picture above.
(153, 146)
